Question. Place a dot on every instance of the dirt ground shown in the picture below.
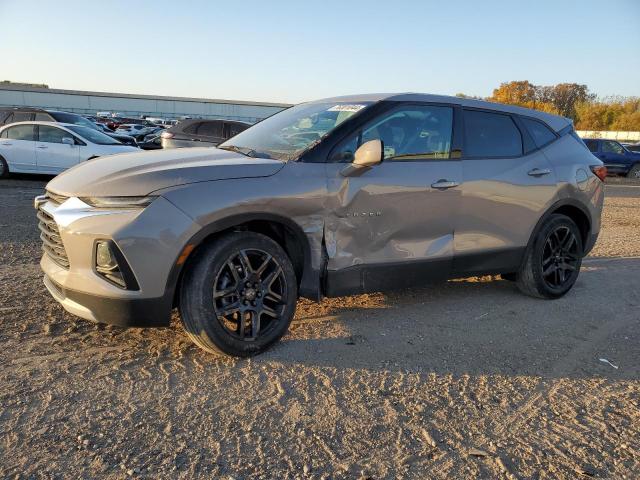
(468, 379)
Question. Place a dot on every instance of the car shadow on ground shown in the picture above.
(483, 327)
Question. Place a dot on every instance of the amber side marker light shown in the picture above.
(185, 254)
(599, 171)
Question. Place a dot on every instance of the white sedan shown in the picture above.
(50, 147)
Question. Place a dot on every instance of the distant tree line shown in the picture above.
(574, 101)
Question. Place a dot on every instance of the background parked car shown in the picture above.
(634, 147)
(151, 142)
(618, 159)
(201, 133)
(13, 115)
(137, 131)
(51, 147)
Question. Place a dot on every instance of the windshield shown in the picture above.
(287, 134)
(94, 136)
(73, 119)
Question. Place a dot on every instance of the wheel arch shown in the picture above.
(570, 208)
(284, 231)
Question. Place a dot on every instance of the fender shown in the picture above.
(550, 211)
(310, 281)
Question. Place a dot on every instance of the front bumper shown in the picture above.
(122, 312)
(150, 240)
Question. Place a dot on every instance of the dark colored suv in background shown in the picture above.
(13, 115)
(201, 133)
(617, 158)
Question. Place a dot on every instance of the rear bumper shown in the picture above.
(122, 312)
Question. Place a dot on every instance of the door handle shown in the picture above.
(443, 184)
(196, 140)
(7, 144)
(42, 146)
(539, 172)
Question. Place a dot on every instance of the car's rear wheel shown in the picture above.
(553, 262)
(4, 168)
(238, 295)
(634, 172)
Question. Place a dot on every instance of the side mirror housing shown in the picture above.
(368, 155)
(68, 141)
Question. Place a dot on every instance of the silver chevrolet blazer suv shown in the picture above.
(334, 197)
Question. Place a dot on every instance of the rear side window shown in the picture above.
(210, 129)
(21, 132)
(235, 129)
(542, 135)
(22, 116)
(490, 135)
(592, 145)
(191, 129)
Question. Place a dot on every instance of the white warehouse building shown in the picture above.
(132, 105)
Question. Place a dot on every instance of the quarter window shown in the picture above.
(592, 145)
(490, 135)
(542, 135)
(21, 132)
(612, 147)
(48, 134)
(415, 132)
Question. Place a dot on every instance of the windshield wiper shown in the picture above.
(246, 151)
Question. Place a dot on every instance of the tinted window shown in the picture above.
(592, 145)
(539, 131)
(4, 116)
(22, 116)
(210, 129)
(9, 118)
(192, 128)
(44, 117)
(407, 133)
(21, 132)
(235, 129)
(612, 147)
(490, 135)
(49, 134)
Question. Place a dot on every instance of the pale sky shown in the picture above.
(290, 51)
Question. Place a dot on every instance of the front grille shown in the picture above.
(51, 240)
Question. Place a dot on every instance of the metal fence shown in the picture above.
(610, 135)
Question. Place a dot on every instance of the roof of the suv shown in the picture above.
(554, 121)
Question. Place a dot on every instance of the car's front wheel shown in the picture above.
(4, 168)
(238, 295)
(553, 261)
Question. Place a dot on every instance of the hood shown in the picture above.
(143, 172)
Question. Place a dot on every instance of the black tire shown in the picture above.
(553, 261)
(634, 172)
(229, 309)
(510, 277)
(4, 168)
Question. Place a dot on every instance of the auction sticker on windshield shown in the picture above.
(346, 108)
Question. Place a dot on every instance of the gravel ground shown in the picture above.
(468, 379)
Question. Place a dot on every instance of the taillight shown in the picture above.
(599, 171)
(166, 135)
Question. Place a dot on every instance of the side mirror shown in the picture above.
(368, 155)
(68, 141)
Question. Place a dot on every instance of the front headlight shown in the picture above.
(119, 202)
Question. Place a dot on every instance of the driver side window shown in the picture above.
(409, 132)
(612, 147)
